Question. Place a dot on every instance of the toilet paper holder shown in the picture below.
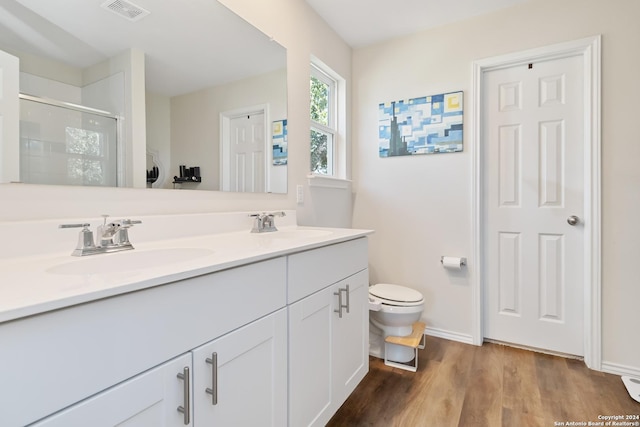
(463, 261)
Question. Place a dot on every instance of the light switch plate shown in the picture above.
(300, 194)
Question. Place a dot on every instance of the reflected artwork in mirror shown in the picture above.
(179, 76)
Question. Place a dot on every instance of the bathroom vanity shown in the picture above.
(243, 329)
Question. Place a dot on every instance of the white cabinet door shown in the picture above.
(328, 349)
(310, 323)
(247, 373)
(350, 342)
(150, 399)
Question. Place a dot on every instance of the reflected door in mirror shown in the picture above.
(247, 153)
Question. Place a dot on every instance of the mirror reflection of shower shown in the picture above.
(67, 144)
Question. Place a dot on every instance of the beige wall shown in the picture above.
(49, 69)
(421, 206)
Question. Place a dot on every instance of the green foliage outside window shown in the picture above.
(319, 114)
(85, 161)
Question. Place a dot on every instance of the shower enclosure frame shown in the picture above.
(120, 167)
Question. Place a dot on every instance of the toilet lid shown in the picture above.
(395, 293)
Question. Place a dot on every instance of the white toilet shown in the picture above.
(392, 311)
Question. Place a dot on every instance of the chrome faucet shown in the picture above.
(264, 222)
(111, 237)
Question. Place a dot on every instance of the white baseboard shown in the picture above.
(618, 369)
(609, 367)
(448, 335)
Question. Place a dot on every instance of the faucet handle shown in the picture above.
(258, 222)
(83, 225)
(279, 213)
(129, 222)
(85, 238)
(122, 237)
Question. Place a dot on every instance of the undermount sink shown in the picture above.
(128, 261)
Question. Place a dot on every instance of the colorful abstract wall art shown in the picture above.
(279, 142)
(427, 125)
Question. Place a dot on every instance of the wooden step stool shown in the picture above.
(415, 340)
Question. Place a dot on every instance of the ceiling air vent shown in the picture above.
(125, 9)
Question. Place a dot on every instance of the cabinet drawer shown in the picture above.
(53, 360)
(310, 271)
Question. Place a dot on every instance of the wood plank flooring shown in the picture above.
(493, 385)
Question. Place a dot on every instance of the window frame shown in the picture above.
(331, 128)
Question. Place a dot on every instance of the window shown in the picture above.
(87, 158)
(323, 122)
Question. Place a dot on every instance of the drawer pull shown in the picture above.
(213, 391)
(186, 409)
(347, 292)
(339, 309)
(340, 304)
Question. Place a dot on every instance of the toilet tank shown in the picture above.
(327, 202)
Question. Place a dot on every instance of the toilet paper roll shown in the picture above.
(453, 263)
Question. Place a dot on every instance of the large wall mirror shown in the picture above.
(183, 95)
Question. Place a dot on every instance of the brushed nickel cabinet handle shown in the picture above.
(186, 409)
(339, 309)
(347, 292)
(213, 391)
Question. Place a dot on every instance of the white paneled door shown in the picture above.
(247, 153)
(533, 187)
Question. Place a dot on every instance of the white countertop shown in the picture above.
(30, 285)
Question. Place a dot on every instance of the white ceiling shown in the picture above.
(364, 22)
(198, 44)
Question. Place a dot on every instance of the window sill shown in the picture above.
(328, 181)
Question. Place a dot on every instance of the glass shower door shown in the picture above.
(65, 145)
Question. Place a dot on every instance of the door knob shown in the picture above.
(573, 220)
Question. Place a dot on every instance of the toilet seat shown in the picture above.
(396, 295)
